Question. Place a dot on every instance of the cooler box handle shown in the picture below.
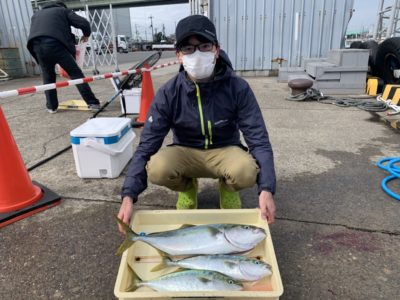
(92, 143)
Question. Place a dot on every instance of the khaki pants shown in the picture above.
(175, 166)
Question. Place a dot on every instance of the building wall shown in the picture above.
(15, 19)
(122, 21)
(256, 32)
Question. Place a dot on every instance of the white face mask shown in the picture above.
(199, 64)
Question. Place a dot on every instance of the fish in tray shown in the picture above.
(187, 281)
(237, 267)
(200, 239)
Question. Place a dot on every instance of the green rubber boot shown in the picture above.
(228, 199)
(188, 199)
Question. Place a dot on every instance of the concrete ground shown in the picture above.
(336, 235)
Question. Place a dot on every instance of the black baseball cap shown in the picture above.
(195, 25)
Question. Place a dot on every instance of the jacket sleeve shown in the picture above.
(155, 129)
(252, 125)
(79, 22)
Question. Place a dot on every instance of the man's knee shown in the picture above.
(159, 169)
(243, 174)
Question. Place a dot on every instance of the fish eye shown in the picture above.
(257, 262)
(246, 227)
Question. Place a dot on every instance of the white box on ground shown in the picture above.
(132, 101)
(102, 147)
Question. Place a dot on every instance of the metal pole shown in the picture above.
(113, 37)
(292, 14)
(152, 32)
(322, 20)
(396, 19)
(378, 25)
(392, 21)
(300, 36)
(282, 17)
(263, 26)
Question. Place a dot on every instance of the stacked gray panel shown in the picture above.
(343, 72)
(254, 32)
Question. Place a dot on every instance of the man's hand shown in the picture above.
(267, 206)
(125, 212)
(84, 39)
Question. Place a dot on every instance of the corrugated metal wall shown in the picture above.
(198, 7)
(255, 32)
(15, 19)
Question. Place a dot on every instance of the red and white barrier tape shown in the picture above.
(61, 84)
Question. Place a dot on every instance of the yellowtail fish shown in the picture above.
(187, 281)
(237, 267)
(200, 239)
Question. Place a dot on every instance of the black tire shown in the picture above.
(355, 45)
(373, 49)
(388, 59)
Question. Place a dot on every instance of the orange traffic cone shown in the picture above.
(19, 198)
(145, 99)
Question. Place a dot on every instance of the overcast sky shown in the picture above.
(168, 15)
(365, 16)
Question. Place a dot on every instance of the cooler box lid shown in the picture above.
(111, 130)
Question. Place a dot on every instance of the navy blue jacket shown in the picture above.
(227, 104)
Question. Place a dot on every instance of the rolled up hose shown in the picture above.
(389, 165)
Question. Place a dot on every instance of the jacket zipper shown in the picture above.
(210, 131)
(203, 130)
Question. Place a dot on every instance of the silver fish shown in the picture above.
(237, 267)
(201, 239)
(187, 281)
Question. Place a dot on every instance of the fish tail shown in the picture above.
(165, 262)
(135, 282)
(129, 237)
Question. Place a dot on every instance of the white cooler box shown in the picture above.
(132, 101)
(102, 147)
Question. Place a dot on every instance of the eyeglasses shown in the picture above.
(189, 49)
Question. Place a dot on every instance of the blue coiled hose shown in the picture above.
(389, 165)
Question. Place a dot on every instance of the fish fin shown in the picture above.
(214, 231)
(204, 279)
(165, 263)
(162, 253)
(186, 226)
(130, 235)
(136, 281)
(230, 264)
